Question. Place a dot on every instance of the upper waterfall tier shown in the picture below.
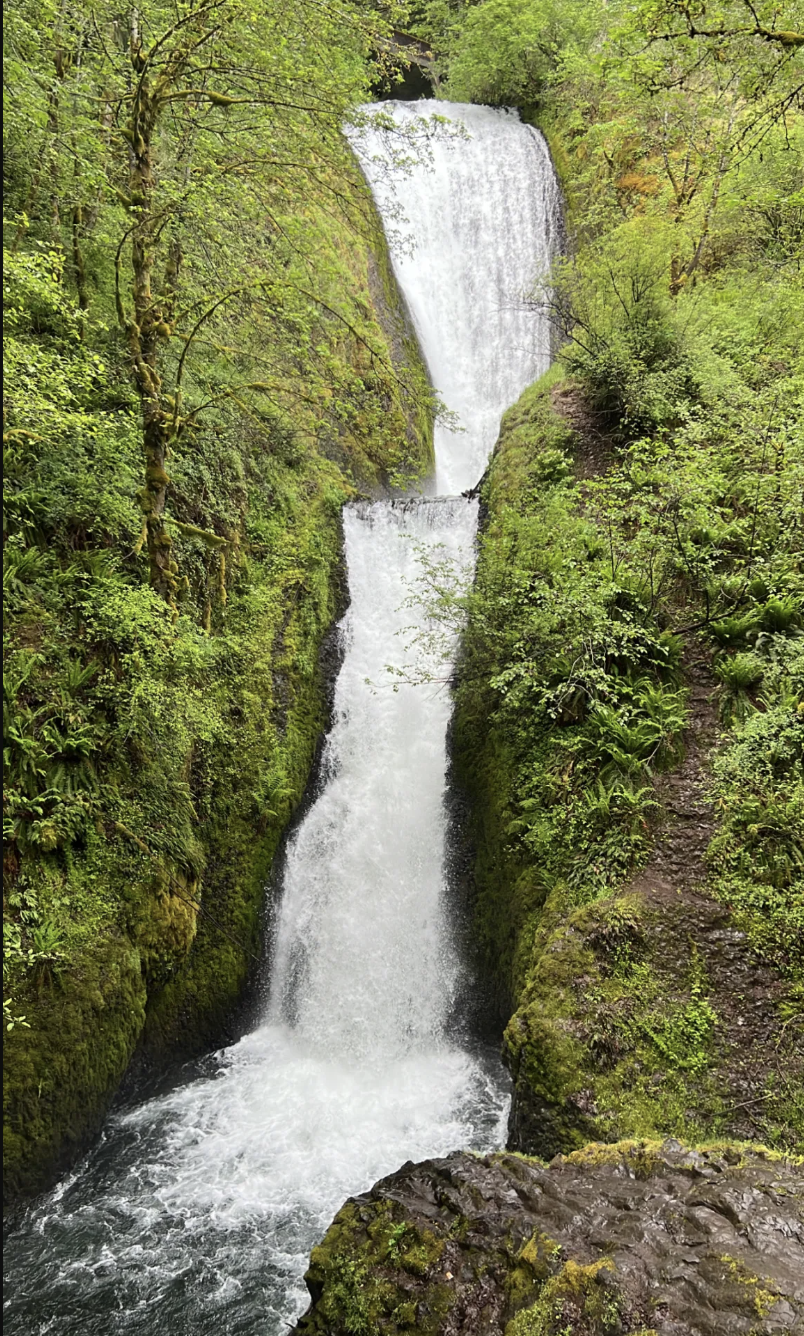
(478, 228)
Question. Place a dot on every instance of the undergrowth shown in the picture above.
(601, 578)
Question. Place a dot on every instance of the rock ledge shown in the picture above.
(637, 1237)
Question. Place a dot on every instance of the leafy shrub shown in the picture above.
(740, 675)
(624, 341)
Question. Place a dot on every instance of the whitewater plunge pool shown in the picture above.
(197, 1210)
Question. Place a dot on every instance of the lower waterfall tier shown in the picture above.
(197, 1211)
(201, 1207)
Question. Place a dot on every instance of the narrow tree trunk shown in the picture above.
(163, 570)
(144, 330)
(79, 269)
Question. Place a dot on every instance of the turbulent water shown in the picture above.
(197, 1211)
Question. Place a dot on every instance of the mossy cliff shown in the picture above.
(629, 726)
(633, 909)
(617, 1240)
(157, 754)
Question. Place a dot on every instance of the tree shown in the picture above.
(722, 22)
(507, 51)
(174, 132)
(756, 43)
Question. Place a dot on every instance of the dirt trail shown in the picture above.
(685, 920)
(677, 866)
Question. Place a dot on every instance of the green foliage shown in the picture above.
(566, 657)
(590, 597)
(757, 856)
(353, 1268)
(624, 343)
(757, 40)
(215, 216)
(348, 1298)
(740, 675)
(683, 1038)
(586, 592)
(506, 50)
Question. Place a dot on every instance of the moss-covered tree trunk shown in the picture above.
(148, 325)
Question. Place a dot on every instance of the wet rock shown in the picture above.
(637, 1237)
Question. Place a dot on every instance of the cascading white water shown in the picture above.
(363, 962)
(483, 216)
(198, 1210)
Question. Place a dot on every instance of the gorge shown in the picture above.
(404, 667)
(198, 1209)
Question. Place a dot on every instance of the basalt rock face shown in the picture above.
(637, 1237)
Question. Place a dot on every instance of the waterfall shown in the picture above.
(479, 228)
(364, 963)
(197, 1211)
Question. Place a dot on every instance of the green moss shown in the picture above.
(189, 1011)
(535, 1263)
(405, 1315)
(59, 1075)
(576, 1300)
(193, 931)
(542, 1054)
(374, 1273)
(761, 1297)
(642, 1157)
(600, 1015)
(363, 1273)
(398, 329)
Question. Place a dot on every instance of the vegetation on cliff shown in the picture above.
(205, 357)
(629, 705)
(639, 908)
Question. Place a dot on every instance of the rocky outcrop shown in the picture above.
(645, 1238)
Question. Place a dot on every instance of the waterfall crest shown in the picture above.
(479, 228)
(197, 1212)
